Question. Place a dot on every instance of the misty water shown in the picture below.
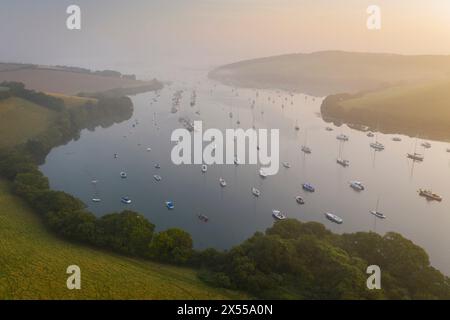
(234, 213)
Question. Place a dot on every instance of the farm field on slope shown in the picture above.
(33, 266)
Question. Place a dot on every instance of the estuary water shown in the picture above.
(391, 180)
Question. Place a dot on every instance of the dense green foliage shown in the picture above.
(173, 246)
(127, 232)
(18, 89)
(295, 260)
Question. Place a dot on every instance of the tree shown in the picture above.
(76, 225)
(172, 245)
(30, 185)
(127, 232)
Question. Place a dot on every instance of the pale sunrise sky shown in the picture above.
(211, 32)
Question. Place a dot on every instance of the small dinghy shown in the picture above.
(96, 200)
(125, 200)
(222, 182)
(123, 175)
(157, 178)
(426, 145)
(308, 187)
(278, 215)
(299, 200)
(170, 205)
(157, 166)
(256, 192)
(262, 173)
(204, 168)
(306, 150)
(203, 218)
(357, 185)
(287, 165)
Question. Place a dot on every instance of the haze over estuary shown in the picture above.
(226, 149)
(234, 213)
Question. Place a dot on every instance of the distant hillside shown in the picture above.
(332, 72)
(70, 81)
(419, 109)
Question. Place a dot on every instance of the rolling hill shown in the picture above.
(332, 72)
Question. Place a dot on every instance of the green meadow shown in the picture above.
(33, 265)
(21, 120)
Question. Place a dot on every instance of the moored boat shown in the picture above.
(299, 200)
(170, 205)
(357, 185)
(125, 200)
(256, 192)
(306, 149)
(378, 214)
(278, 215)
(429, 195)
(334, 218)
(416, 156)
(342, 137)
(377, 146)
(308, 187)
(222, 182)
(343, 162)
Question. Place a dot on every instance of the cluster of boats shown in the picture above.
(277, 214)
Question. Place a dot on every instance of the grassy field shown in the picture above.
(33, 266)
(21, 120)
(420, 109)
(72, 101)
(430, 100)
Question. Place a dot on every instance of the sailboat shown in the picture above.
(416, 156)
(305, 148)
(343, 162)
(377, 213)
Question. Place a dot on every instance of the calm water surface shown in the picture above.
(235, 214)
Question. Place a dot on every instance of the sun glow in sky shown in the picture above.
(204, 32)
